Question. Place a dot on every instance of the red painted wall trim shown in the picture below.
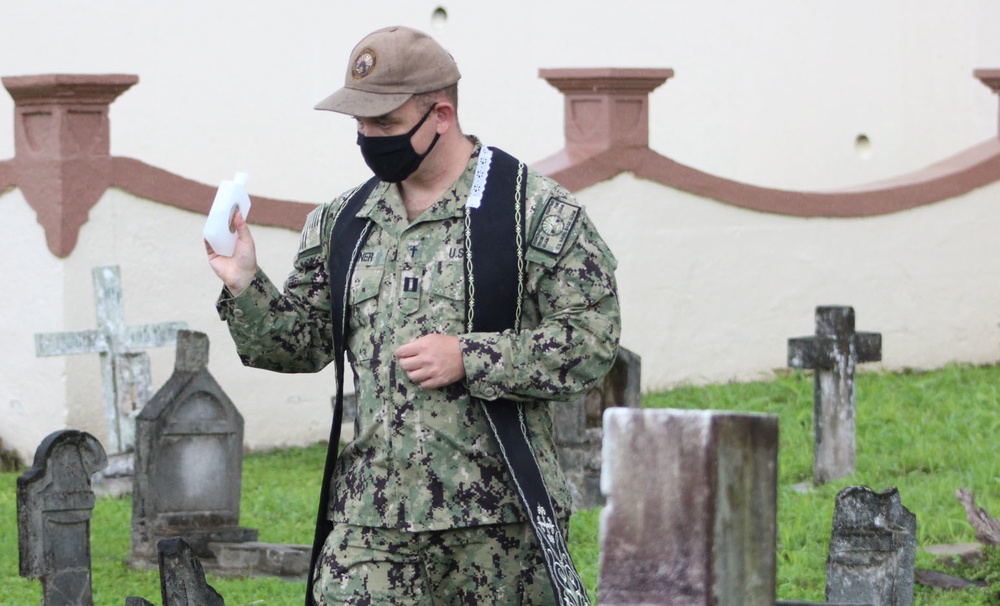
(973, 169)
(592, 155)
(145, 181)
(63, 166)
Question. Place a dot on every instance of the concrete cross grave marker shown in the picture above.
(834, 353)
(124, 366)
(54, 506)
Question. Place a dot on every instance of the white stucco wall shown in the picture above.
(32, 395)
(771, 92)
(711, 292)
(165, 278)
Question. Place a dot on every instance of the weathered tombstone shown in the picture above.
(703, 530)
(834, 353)
(124, 367)
(578, 427)
(872, 549)
(54, 506)
(182, 578)
(188, 460)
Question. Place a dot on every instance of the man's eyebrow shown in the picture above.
(382, 118)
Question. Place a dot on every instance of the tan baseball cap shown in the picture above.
(388, 67)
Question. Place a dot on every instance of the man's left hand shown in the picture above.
(433, 360)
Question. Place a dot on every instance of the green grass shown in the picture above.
(927, 434)
(279, 499)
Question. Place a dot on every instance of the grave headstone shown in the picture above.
(125, 370)
(834, 353)
(691, 514)
(182, 578)
(188, 460)
(872, 549)
(578, 427)
(54, 506)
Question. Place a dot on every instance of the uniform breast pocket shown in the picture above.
(363, 294)
(446, 295)
(447, 280)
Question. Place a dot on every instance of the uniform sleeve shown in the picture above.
(575, 340)
(289, 330)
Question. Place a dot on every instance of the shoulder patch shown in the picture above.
(556, 223)
(312, 232)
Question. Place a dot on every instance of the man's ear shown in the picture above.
(444, 113)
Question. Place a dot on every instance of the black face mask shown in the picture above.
(393, 158)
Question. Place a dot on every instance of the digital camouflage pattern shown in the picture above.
(426, 459)
(363, 566)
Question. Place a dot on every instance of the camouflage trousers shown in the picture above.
(494, 564)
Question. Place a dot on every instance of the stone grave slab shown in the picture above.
(189, 461)
(578, 429)
(872, 549)
(691, 508)
(256, 558)
(182, 578)
(55, 502)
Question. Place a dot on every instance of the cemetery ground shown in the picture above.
(927, 433)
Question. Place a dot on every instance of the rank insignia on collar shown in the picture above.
(557, 222)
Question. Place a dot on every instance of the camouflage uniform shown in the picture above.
(425, 460)
(496, 564)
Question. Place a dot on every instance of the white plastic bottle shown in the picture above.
(232, 195)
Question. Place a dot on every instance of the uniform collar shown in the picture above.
(385, 205)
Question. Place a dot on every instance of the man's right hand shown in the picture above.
(238, 270)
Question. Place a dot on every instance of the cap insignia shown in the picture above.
(364, 64)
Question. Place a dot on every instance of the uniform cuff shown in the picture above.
(249, 304)
(485, 367)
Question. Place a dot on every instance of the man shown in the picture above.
(467, 292)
